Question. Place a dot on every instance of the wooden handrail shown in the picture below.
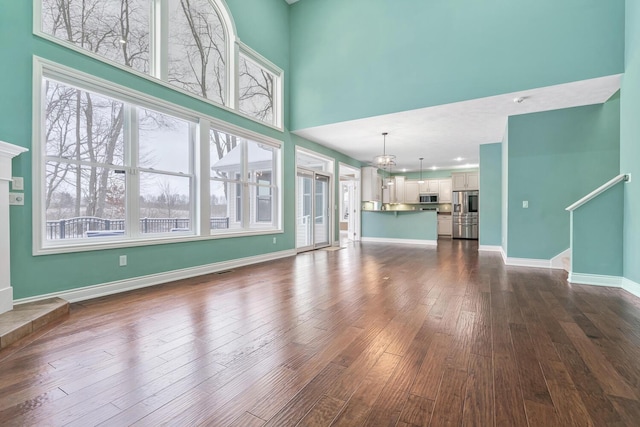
(604, 187)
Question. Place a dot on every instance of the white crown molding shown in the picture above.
(401, 241)
(95, 291)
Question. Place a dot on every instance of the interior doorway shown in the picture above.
(349, 211)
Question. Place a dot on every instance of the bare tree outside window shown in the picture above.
(197, 49)
(116, 29)
(255, 96)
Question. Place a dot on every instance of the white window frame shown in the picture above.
(158, 58)
(278, 87)
(43, 68)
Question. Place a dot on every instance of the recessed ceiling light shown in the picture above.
(404, 169)
(458, 159)
(433, 168)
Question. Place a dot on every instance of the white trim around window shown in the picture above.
(157, 70)
(199, 160)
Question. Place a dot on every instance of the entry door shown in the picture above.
(313, 220)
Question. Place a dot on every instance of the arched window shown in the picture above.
(197, 49)
(188, 44)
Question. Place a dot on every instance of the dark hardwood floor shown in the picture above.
(371, 335)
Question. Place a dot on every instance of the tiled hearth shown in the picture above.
(25, 319)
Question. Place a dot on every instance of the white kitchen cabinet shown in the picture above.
(429, 186)
(444, 225)
(444, 190)
(464, 181)
(371, 185)
(399, 190)
(411, 191)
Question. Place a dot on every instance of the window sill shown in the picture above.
(82, 246)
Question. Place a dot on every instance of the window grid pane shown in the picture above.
(102, 27)
(255, 90)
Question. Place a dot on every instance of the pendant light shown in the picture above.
(421, 180)
(385, 160)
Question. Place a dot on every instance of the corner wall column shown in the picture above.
(7, 152)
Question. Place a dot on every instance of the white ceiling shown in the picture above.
(444, 133)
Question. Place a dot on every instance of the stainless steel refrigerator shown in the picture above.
(465, 214)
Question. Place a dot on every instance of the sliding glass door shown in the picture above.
(313, 219)
(322, 223)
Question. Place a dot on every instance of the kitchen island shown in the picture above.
(400, 226)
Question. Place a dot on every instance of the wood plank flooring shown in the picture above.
(371, 335)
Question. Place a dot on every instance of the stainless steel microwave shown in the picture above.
(428, 198)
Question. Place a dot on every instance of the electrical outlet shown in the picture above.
(123, 260)
(16, 199)
(525, 204)
(274, 240)
(17, 183)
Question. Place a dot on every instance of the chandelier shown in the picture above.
(385, 160)
(421, 180)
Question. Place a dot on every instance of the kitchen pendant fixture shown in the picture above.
(385, 160)
(421, 180)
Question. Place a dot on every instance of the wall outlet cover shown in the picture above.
(16, 199)
(17, 183)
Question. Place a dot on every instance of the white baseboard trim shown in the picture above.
(488, 248)
(528, 262)
(6, 299)
(595, 280)
(631, 286)
(95, 291)
(504, 255)
(401, 241)
(558, 260)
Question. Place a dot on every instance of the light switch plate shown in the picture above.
(16, 199)
(17, 183)
(525, 204)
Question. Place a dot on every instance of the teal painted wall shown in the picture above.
(431, 174)
(597, 235)
(630, 142)
(555, 158)
(361, 58)
(505, 191)
(40, 275)
(418, 225)
(491, 194)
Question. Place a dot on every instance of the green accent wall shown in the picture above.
(556, 158)
(361, 58)
(630, 142)
(597, 235)
(490, 194)
(505, 191)
(262, 24)
(413, 225)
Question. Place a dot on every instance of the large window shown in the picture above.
(115, 167)
(187, 44)
(103, 156)
(243, 192)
